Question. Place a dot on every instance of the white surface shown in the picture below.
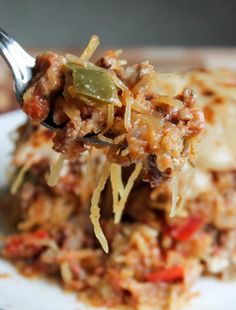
(8, 123)
(19, 293)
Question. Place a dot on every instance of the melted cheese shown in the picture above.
(216, 93)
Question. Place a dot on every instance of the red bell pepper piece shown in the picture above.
(187, 230)
(171, 274)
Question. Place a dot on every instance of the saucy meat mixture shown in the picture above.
(121, 107)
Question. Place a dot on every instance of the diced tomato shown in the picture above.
(41, 234)
(16, 240)
(36, 109)
(24, 245)
(172, 274)
(12, 247)
(187, 230)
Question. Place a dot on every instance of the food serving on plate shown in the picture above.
(120, 110)
(151, 122)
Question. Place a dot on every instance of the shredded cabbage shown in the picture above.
(55, 171)
(20, 177)
(105, 139)
(71, 111)
(126, 191)
(95, 210)
(175, 193)
(128, 107)
(117, 186)
(90, 49)
(66, 272)
(118, 82)
(110, 115)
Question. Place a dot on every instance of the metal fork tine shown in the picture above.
(29, 60)
(19, 62)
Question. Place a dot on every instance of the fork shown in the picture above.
(22, 66)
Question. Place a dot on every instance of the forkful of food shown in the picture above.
(133, 113)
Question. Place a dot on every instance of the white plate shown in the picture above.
(19, 293)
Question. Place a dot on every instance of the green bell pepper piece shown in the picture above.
(93, 82)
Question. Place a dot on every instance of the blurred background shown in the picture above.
(59, 23)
